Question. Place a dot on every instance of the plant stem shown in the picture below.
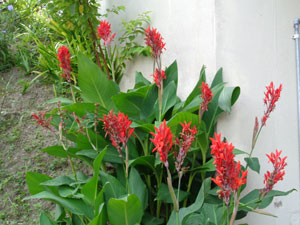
(171, 190)
(227, 215)
(111, 63)
(191, 177)
(72, 92)
(160, 93)
(235, 209)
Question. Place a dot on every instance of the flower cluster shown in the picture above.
(271, 97)
(159, 75)
(104, 32)
(155, 41)
(187, 136)
(118, 129)
(163, 141)
(63, 57)
(229, 174)
(272, 178)
(40, 118)
(206, 95)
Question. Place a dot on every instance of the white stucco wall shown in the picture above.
(251, 40)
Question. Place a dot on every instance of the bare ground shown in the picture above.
(21, 140)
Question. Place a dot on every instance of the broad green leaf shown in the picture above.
(146, 127)
(101, 218)
(194, 219)
(57, 181)
(34, 181)
(113, 189)
(172, 75)
(218, 79)
(147, 161)
(213, 212)
(163, 194)
(138, 187)
(94, 84)
(75, 206)
(45, 220)
(82, 108)
(228, 97)
(174, 122)
(66, 191)
(239, 152)
(89, 190)
(64, 101)
(253, 163)
(148, 106)
(130, 103)
(57, 151)
(183, 212)
(140, 80)
(196, 91)
(151, 220)
(207, 167)
(169, 97)
(127, 210)
(91, 153)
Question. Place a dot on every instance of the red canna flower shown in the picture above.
(271, 97)
(187, 136)
(163, 141)
(104, 32)
(118, 128)
(272, 178)
(229, 174)
(41, 120)
(155, 41)
(63, 57)
(159, 76)
(206, 95)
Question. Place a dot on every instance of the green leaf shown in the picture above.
(174, 122)
(253, 163)
(57, 151)
(163, 194)
(196, 91)
(75, 206)
(89, 190)
(183, 212)
(140, 80)
(172, 75)
(218, 79)
(127, 210)
(130, 103)
(94, 85)
(169, 97)
(82, 108)
(114, 189)
(91, 153)
(64, 101)
(57, 181)
(151, 220)
(147, 161)
(101, 218)
(34, 181)
(228, 97)
(138, 187)
(148, 106)
(239, 152)
(45, 220)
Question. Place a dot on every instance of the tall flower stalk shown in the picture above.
(155, 41)
(229, 174)
(163, 141)
(104, 32)
(206, 95)
(272, 95)
(119, 130)
(63, 57)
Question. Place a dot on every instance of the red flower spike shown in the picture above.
(118, 128)
(187, 136)
(271, 97)
(163, 141)
(41, 120)
(272, 178)
(63, 57)
(229, 174)
(155, 41)
(159, 76)
(206, 95)
(104, 32)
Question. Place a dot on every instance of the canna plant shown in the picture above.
(150, 156)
